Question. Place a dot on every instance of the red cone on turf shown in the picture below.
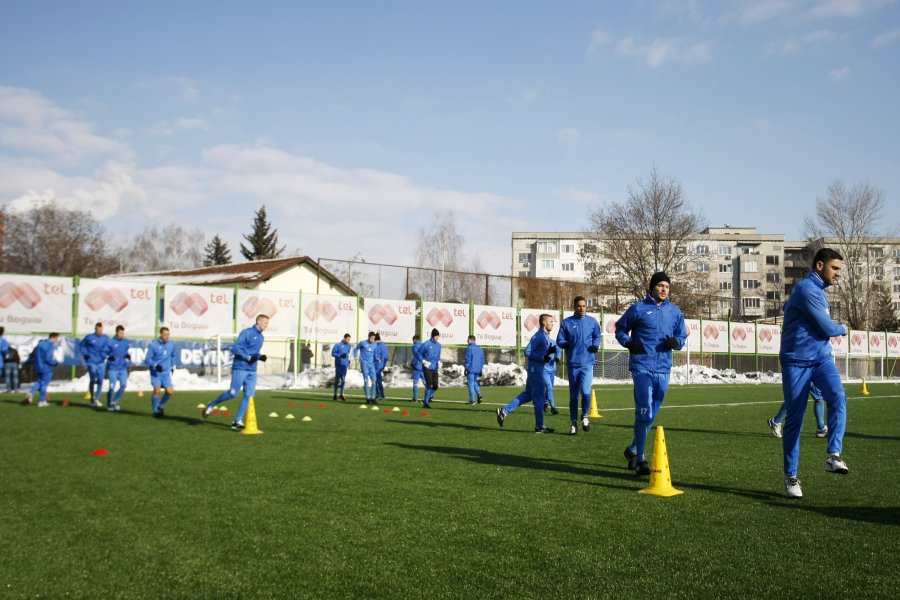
(65, 402)
(100, 452)
(227, 413)
(424, 414)
(405, 413)
(215, 411)
(321, 406)
(306, 405)
(291, 403)
(387, 411)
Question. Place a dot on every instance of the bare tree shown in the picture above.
(353, 277)
(166, 248)
(629, 241)
(849, 219)
(442, 275)
(51, 240)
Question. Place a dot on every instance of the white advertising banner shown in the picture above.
(840, 344)
(877, 343)
(892, 343)
(393, 320)
(693, 344)
(715, 336)
(452, 320)
(768, 339)
(495, 326)
(743, 338)
(859, 342)
(194, 311)
(530, 323)
(33, 303)
(328, 318)
(131, 304)
(608, 332)
(282, 308)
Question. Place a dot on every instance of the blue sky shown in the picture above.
(356, 122)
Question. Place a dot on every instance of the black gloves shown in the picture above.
(635, 347)
(110, 358)
(466, 372)
(262, 358)
(251, 360)
(670, 343)
(86, 357)
(593, 349)
(548, 358)
(158, 368)
(344, 355)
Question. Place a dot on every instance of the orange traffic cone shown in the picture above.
(251, 428)
(140, 393)
(660, 480)
(865, 390)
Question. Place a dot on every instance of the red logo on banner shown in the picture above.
(24, 293)
(531, 323)
(384, 313)
(320, 308)
(440, 316)
(182, 302)
(489, 318)
(875, 341)
(856, 339)
(254, 305)
(711, 331)
(100, 297)
(611, 326)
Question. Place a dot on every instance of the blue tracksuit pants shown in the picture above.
(580, 380)
(649, 391)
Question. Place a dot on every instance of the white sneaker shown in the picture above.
(792, 487)
(834, 464)
(43, 404)
(775, 427)
(573, 430)
(586, 424)
(26, 400)
(96, 403)
(822, 432)
(208, 411)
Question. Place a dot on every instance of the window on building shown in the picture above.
(703, 267)
(548, 264)
(703, 250)
(897, 288)
(589, 248)
(680, 268)
(724, 285)
(749, 284)
(523, 273)
(750, 266)
(725, 268)
(589, 267)
(724, 249)
(876, 252)
(896, 306)
(568, 248)
(877, 271)
(773, 259)
(773, 277)
(569, 266)
(724, 305)
(745, 249)
(773, 295)
(524, 257)
(680, 250)
(751, 302)
(896, 272)
(895, 252)
(702, 286)
(546, 247)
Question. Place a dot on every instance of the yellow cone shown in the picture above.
(140, 393)
(660, 479)
(201, 405)
(865, 390)
(289, 416)
(274, 415)
(374, 407)
(594, 413)
(307, 419)
(364, 407)
(395, 409)
(87, 395)
(251, 428)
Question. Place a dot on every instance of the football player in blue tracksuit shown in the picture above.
(365, 354)
(95, 349)
(44, 361)
(805, 358)
(416, 364)
(161, 361)
(650, 329)
(775, 423)
(540, 351)
(550, 380)
(246, 357)
(431, 363)
(579, 336)
(382, 356)
(341, 353)
(117, 368)
(474, 365)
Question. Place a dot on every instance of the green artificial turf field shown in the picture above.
(368, 504)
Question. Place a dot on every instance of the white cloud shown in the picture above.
(576, 196)
(819, 37)
(171, 127)
(887, 38)
(599, 38)
(839, 74)
(828, 9)
(32, 124)
(568, 135)
(756, 12)
(525, 98)
(659, 51)
(182, 89)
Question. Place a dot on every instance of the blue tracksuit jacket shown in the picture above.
(539, 346)
(365, 351)
(807, 323)
(576, 335)
(95, 347)
(474, 358)
(248, 344)
(118, 352)
(431, 351)
(650, 324)
(44, 361)
(341, 353)
(162, 354)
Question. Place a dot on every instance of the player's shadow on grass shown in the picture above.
(668, 429)
(883, 515)
(869, 436)
(433, 424)
(486, 457)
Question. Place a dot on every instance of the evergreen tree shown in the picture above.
(884, 317)
(216, 252)
(263, 241)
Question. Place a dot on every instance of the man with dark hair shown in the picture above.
(416, 363)
(650, 329)
(806, 359)
(341, 354)
(540, 351)
(117, 369)
(382, 356)
(579, 336)
(473, 367)
(161, 361)
(431, 363)
(44, 361)
(94, 349)
(365, 354)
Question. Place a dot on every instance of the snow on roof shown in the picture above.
(184, 279)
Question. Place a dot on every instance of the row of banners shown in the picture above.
(30, 304)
